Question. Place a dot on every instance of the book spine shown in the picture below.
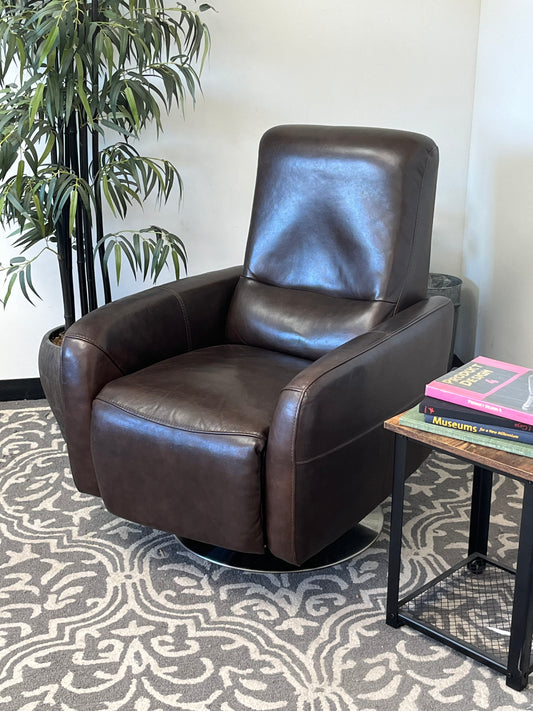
(477, 428)
(432, 406)
(413, 418)
(465, 401)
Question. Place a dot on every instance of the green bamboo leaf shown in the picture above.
(51, 103)
(69, 95)
(107, 253)
(117, 191)
(109, 55)
(107, 193)
(22, 284)
(178, 247)
(130, 255)
(38, 208)
(36, 102)
(118, 260)
(21, 53)
(66, 67)
(63, 193)
(128, 92)
(114, 126)
(155, 255)
(176, 262)
(72, 211)
(29, 280)
(50, 193)
(16, 205)
(49, 44)
(48, 149)
(162, 260)
(147, 254)
(10, 54)
(20, 177)
(80, 86)
(123, 50)
(9, 289)
(137, 250)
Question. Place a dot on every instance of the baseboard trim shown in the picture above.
(21, 389)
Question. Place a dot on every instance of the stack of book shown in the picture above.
(485, 401)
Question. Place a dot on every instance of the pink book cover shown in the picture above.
(489, 385)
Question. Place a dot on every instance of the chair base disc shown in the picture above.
(352, 543)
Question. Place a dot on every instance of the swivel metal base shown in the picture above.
(351, 544)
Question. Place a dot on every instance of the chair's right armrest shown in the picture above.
(133, 333)
(324, 415)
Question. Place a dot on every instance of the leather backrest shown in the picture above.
(339, 237)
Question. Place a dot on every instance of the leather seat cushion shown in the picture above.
(195, 428)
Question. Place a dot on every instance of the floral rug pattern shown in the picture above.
(99, 614)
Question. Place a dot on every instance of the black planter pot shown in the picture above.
(449, 286)
(49, 372)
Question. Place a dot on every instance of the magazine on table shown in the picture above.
(433, 407)
(490, 386)
(414, 418)
(452, 423)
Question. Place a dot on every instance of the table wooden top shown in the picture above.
(493, 459)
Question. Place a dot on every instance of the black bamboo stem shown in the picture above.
(73, 163)
(86, 221)
(64, 255)
(99, 223)
(85, 228)
(64, 245)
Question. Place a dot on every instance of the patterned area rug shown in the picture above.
(98, 614)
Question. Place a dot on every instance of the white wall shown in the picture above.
(498, 251)
(408, 64)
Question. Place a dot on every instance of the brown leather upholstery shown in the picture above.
(204, 458)
(244, 408)
(333, 236)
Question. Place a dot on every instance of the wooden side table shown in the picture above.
(479, 607)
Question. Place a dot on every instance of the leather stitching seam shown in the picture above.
(302, 395)
(75, 337)
(186, 320)
(180, 429)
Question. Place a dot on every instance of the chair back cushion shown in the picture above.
(339, 237)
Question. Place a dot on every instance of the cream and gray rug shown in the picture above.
(98, 614)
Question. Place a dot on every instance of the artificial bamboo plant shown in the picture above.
(79, 81)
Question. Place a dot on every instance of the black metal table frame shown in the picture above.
(519, 657)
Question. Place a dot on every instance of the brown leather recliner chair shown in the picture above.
(244, 407)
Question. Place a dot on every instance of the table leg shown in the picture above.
(395, 545)
(519, 659)
(480, 515)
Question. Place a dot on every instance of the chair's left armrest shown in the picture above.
(157, 323)
(133, 333)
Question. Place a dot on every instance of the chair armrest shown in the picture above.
(133, 333)
(343, 396)
(157, 323)
(366, 380)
